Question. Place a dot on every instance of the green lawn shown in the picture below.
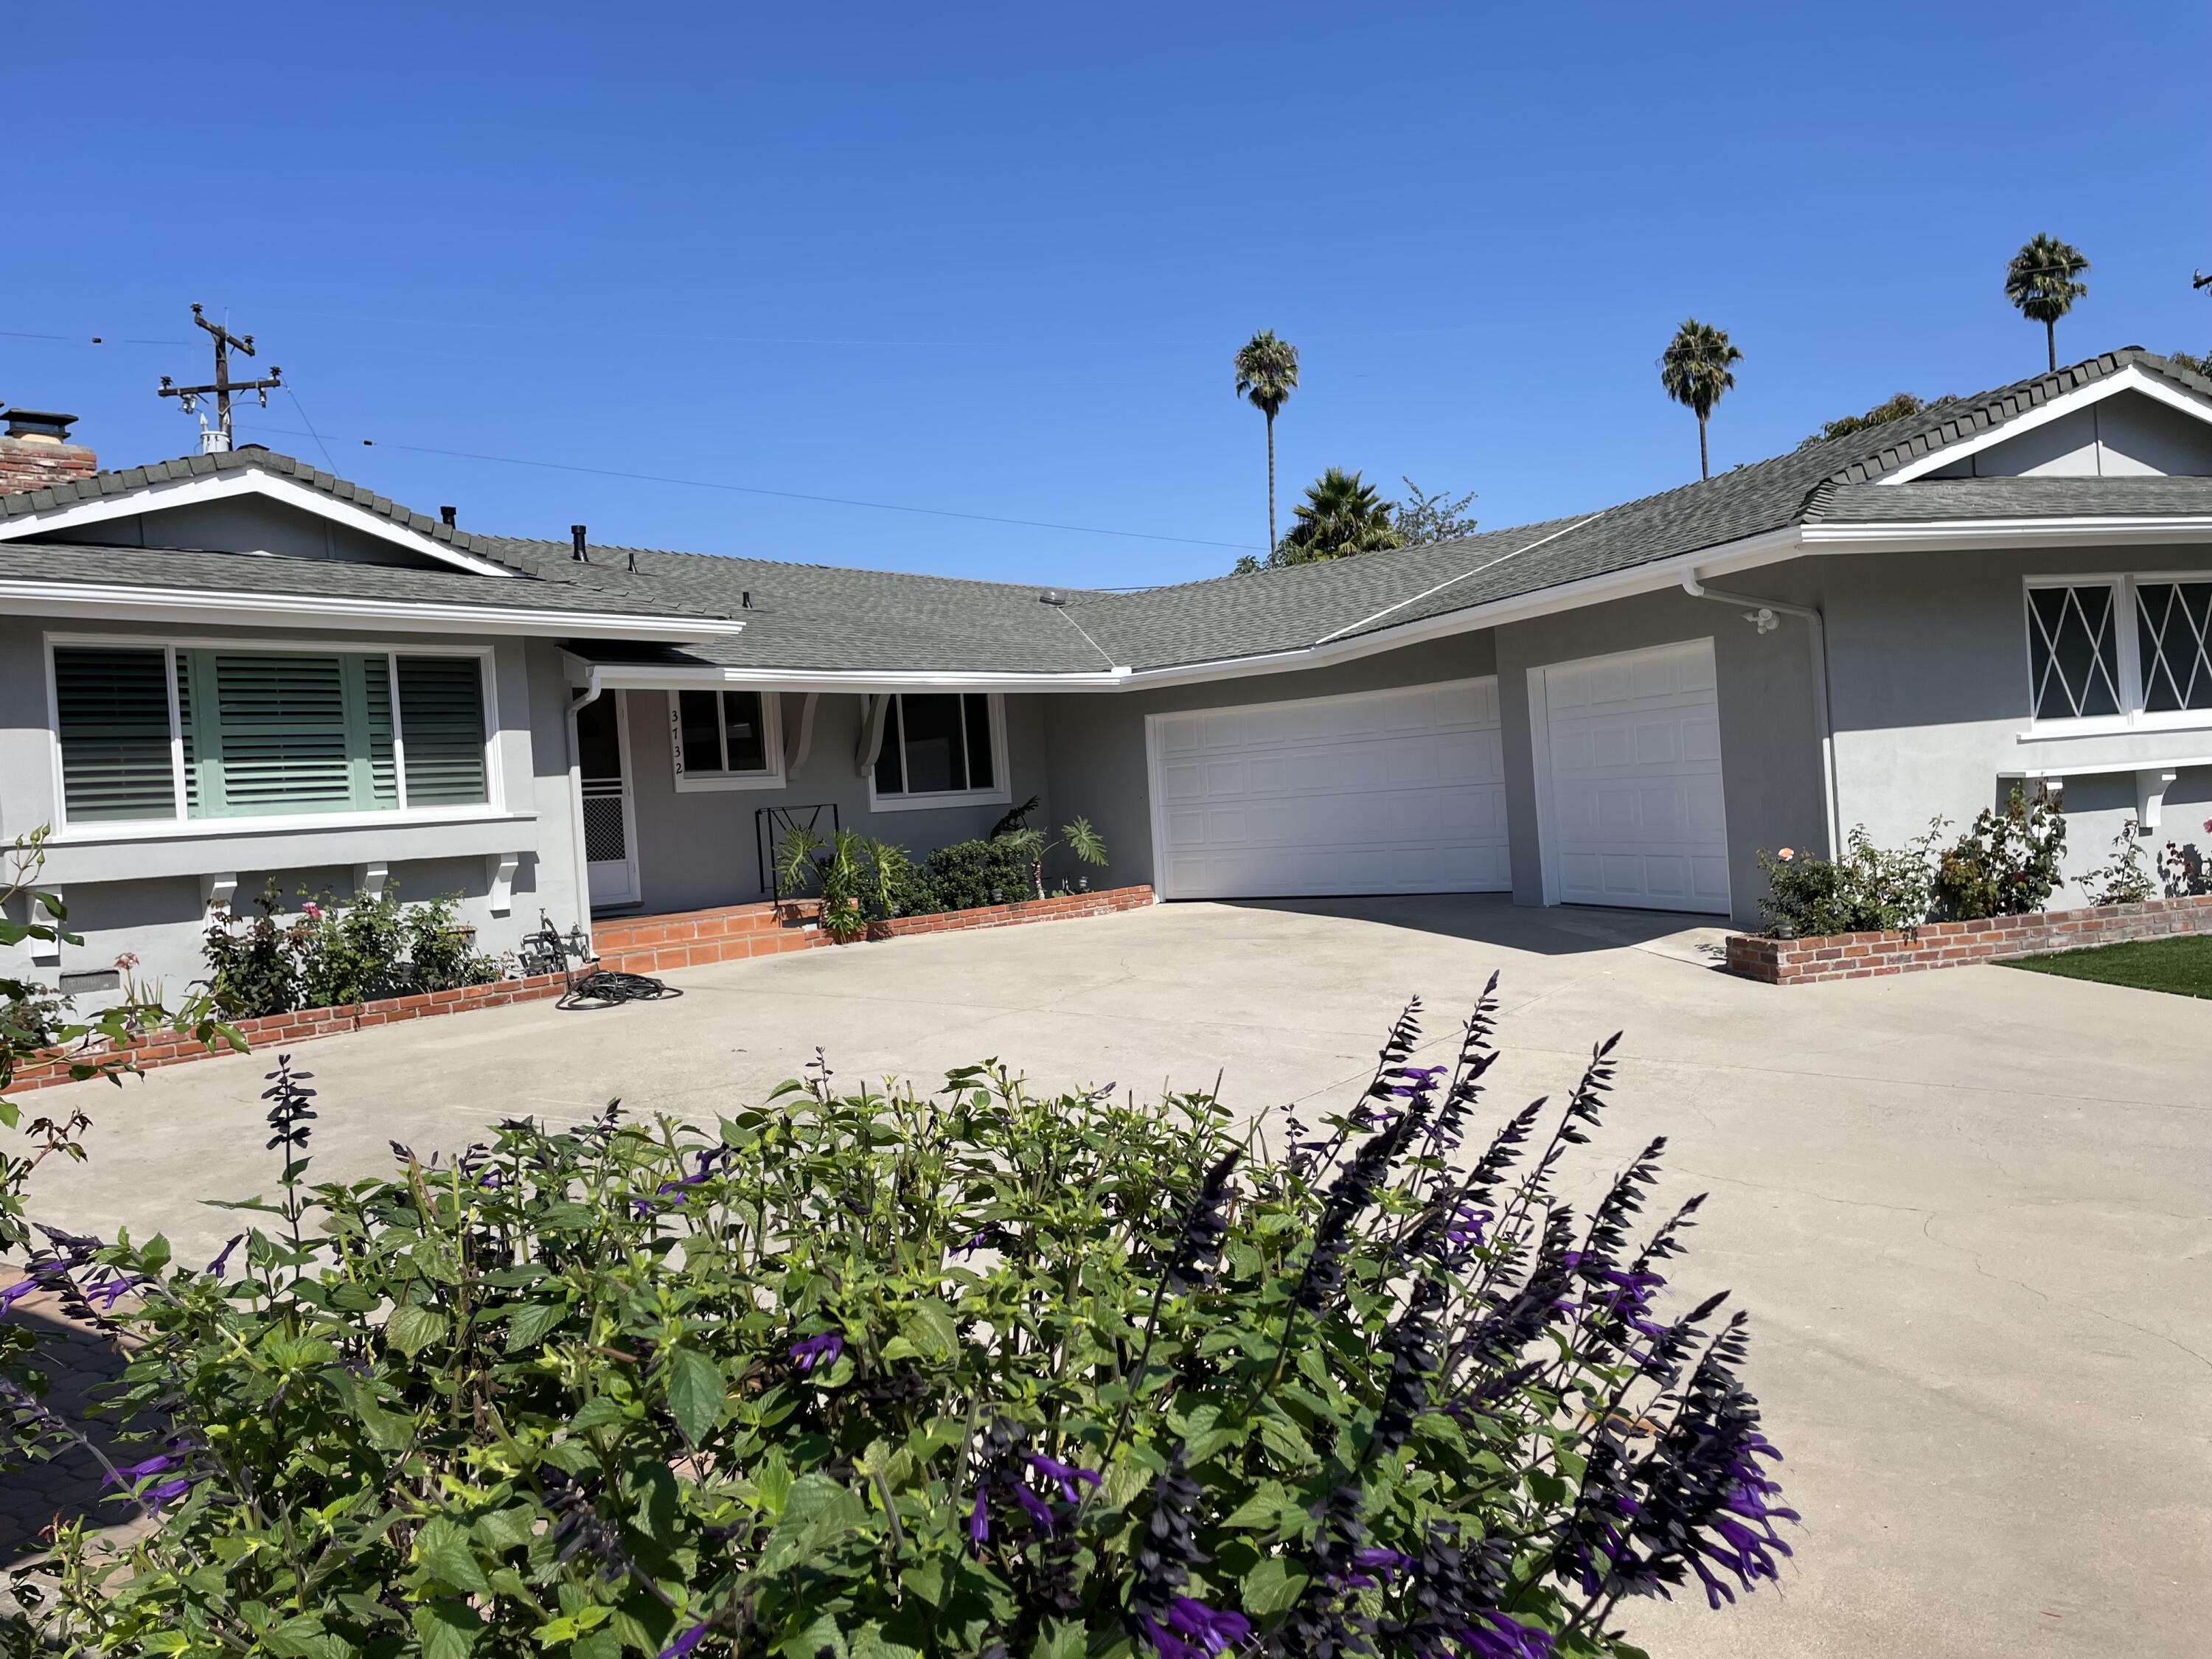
(2182, 966)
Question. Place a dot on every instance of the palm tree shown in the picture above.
(2040, 282)
(1266, 374)
(1694, 369)
(1342, 515)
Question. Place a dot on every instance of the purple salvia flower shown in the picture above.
(15, 1292)
(1212, 1628)
(1064, 1476)
(1506, 1638)
(684, 1643)
(108, 1293)
(166, 1492)
(1036, 1508)
(813, 1351)
(136, 1472)
(1169, 1646)
(979, 1520)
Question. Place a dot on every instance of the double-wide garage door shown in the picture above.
(1387, 792)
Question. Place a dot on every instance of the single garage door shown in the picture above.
(1387, 792)
(1635, 785)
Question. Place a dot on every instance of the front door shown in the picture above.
(610, 820)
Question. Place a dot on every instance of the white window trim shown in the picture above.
(1001, 794)
(689, 782)
(2132, 717)
(182, 828)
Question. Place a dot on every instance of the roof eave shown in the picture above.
(120, 602)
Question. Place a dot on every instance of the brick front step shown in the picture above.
(1953, 943)
(641, 945)
(692, 938)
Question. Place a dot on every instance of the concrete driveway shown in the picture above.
(1966, 1209)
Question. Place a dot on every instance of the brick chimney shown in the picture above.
(35, 452)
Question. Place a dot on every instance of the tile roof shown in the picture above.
(825, 618)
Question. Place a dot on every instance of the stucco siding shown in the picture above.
(1932, 702)
(1769, 743)
(701, 849)
(128, 891)
(247, 524)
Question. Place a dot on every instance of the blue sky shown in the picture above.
(995, 259)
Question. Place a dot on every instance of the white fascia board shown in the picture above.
(223, 486)
(125, 604)
(2133, 378)
(653, 675)
(1963, 533)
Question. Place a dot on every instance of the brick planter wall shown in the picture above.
(654, 945)
(275, 1030)
(1952, 943)
(649, 944)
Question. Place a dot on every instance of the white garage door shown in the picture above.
(1387, 791)
(1635, 762)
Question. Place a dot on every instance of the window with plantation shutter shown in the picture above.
(441, 730)
(266, 734)
(113, 712)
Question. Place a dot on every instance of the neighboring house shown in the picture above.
(233, 667)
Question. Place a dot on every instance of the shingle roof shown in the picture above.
(123, 480)
(267, 574)
(1929, 501)
(825, 618)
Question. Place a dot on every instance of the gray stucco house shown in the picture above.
(218, 670)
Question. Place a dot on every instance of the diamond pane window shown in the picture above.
(2173, 622)
(2073, 653)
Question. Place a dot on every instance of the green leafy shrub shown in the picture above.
(2007, 865)
(1869, 888)
(330, 956)
(970, 874)
(2125, 878)
(884, 1376)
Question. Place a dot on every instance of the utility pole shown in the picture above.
(216, 440)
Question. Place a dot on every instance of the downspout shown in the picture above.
(583, 869)
(1817, 633)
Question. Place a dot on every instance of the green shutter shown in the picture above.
(441, 730)
(113, 710)
(273, 733)
(383, 775)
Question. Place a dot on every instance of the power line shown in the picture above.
(782, 495)
(311, 433)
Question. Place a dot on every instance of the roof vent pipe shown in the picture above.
(448, 514)
(633, 561)
(576, 550)
(746, 599)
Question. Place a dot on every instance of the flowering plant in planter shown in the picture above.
(883, 1375)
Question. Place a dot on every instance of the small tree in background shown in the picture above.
(1695, 369)
(1894, 409)
(2040, 283)
(1423, 518)
(1266, 374)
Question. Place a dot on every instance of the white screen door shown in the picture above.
(610, 819)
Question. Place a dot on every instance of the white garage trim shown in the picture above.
(1705, 853)
(1398, 800)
